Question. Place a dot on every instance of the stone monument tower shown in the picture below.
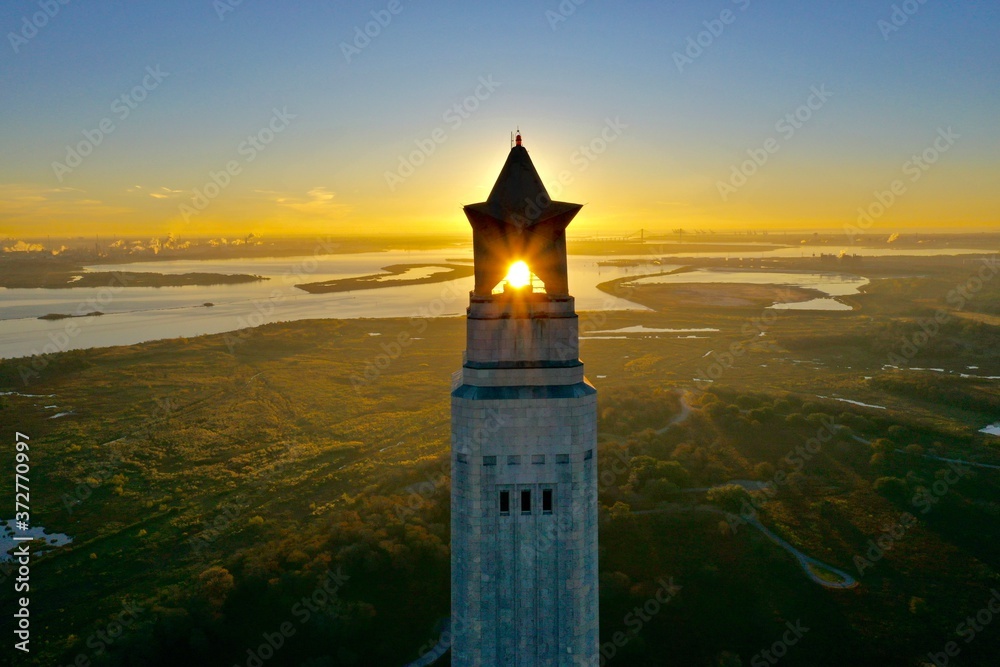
(523, 443)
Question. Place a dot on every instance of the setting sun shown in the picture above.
(519, 275)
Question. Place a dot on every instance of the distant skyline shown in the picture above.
(227, 117)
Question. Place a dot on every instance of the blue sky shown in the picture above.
(686, 128)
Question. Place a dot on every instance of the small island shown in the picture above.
(395, 276)
(61, 316)
(133, 279)
(667, 297)
(23, 275)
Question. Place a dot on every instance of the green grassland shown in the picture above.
(216, 481)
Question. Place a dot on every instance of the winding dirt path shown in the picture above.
(807, 562)
(680, 417)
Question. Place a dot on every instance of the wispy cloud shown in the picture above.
(162, 192)
(28, 202)
(317, 202)
(166, 193)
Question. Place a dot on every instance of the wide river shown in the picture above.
(138, 314)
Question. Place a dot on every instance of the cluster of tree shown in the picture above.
(632, 409)
(313, 595)
(324, 593)
(941, 389)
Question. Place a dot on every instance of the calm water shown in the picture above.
(140, 314)
(135, 315)
(8, 543)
